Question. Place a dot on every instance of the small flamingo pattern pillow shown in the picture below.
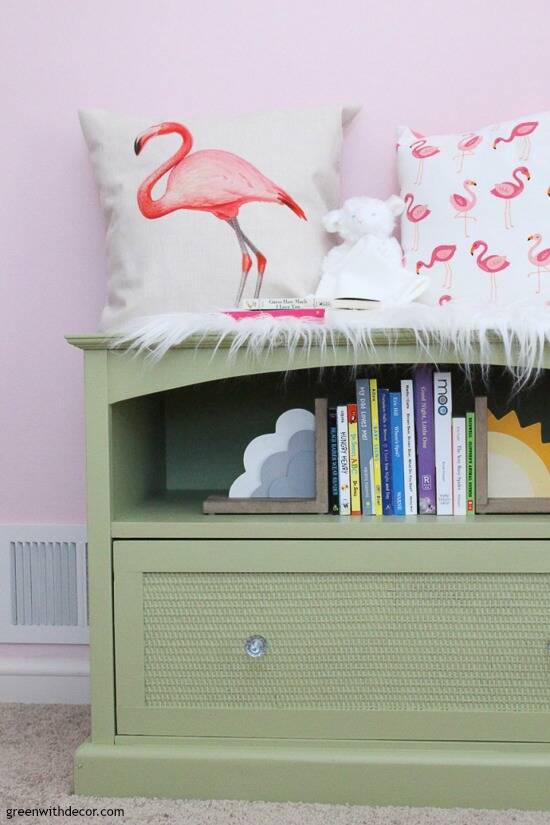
(478, 211)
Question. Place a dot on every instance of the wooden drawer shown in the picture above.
(392, 641)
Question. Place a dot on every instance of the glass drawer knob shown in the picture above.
(255, 646)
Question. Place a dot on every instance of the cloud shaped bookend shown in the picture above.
(280, 464)
(285, 471)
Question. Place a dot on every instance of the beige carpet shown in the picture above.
(36, 748)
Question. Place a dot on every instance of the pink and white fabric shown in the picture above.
(478, 212)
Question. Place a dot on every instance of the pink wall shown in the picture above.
(442, 65)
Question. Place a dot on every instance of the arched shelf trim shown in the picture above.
(134, 375)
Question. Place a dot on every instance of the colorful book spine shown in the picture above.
(343, 460)
(385, 451)
(409, 447)
(334, 506)
(425, 449)
(459, 466)
(354, 475)
(377, 496)
(443, 410)
(471, 463)
(366, 461)
(397, 468)
(316, 313)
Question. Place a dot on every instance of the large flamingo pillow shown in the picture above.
(200, 214)
(478, 212)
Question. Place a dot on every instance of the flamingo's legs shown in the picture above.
(493, 294)
(448, 280)
(461, 163)
(246, 260)
(260, 257)
(416, 238)
(526, 148)
(467, 217)
(508, 215)
(538, 273)
(420, 171)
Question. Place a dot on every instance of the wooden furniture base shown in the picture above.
(318, 658)
(436, 774)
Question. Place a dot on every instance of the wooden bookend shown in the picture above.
(319, 504)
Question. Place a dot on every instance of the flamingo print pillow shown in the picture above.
(201, 213)
(477, 220)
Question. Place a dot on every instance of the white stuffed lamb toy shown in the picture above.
(368, 263)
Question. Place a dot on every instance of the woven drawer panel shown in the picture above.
(381, 641)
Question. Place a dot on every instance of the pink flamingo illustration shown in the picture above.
(415, 214)
(463, 205)
(416, 135)
(490, 264)
(508, 190)
(441, 254)
(520, 130)
(210, 180)
(421, 151)
(466, 146)
(541, 260)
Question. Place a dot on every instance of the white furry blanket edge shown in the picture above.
(467, 331)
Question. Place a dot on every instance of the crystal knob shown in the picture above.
(255, 646)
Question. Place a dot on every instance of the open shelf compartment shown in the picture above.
(171, 449)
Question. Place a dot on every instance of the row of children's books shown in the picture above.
(402, 453)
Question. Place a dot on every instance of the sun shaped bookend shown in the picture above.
(513, 464)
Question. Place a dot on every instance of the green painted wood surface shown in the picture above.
(362, 773)
(178, 514)
(193, 362)
(261, 555)
(138, 452)
(458, 655)
(98, 474)
(128, 443)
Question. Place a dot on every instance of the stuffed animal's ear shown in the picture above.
(395, 204)
(333, 220)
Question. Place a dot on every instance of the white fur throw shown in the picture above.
(466, 331)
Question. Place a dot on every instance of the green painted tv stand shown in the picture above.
(407, 659)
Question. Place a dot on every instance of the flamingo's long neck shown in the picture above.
(433, 259)
(515, 175)
(472, 194)
(409, 200)
(532, 255)
(483, 247)
(156, 208)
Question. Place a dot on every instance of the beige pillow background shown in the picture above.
(190, 261)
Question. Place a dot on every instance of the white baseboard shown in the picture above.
(55, 679)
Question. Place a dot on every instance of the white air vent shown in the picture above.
(43, 584)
